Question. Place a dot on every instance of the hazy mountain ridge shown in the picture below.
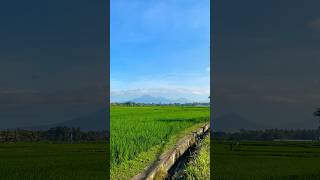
(233, 122)
(95, 121)
(159, 100)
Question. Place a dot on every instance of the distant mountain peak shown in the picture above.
(232, 122)
(158, 100)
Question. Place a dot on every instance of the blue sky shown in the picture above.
(160, 48)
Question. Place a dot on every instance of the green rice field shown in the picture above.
(39, 161)
(139, 135)
(266, 160)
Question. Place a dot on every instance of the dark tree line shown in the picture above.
(268, 135)
(271, 134)
(56, 134)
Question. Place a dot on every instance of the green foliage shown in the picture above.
(137, 130)
(199, 168)
(266, 160)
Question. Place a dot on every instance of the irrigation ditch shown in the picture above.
(171, 164)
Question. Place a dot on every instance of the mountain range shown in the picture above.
(233, 122)
(159, 100)
(229, 122)
(91, 122)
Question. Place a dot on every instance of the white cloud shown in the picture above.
(188, 85)
(171, 81)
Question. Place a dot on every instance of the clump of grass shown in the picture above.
(199, 168)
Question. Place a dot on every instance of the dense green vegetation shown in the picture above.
(266, 160)
(199, 168)
(38, 161)
(140, 134)
(55, 134)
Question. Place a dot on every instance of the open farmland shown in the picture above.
(266, 160)
(38, 161)
(139, 135)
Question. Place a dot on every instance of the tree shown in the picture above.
(317, 113)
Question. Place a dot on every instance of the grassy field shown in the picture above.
(266, 160)
(38, 161)
(199, 168)
(140, 134)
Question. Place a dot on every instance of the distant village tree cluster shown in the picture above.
(56, 134)
(268, 135)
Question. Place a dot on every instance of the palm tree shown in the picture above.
(317, 113)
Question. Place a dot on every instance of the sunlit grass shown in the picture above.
(199, 168)
(140, 134)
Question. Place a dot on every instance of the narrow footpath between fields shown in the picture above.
(180, 170)
(171, 164)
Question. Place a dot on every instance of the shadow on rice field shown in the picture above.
(265, 160)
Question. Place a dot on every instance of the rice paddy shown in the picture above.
(38, 161)
(140, 134)
(266, 160)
